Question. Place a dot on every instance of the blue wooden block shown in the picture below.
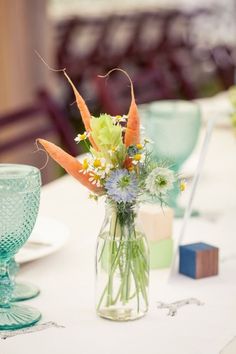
(198, 260)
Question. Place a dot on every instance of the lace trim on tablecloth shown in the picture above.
(35, 328)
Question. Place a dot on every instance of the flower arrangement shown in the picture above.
(120, 167)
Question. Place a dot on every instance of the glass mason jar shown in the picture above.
(122, 265)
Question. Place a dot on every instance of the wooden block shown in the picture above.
(198, 260)
(156, 222)
(161, 253)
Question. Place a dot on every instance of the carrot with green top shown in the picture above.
(84, 111)
(70, 164)
(132, 133)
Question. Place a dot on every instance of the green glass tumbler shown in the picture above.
(174, 127)
(19, 203)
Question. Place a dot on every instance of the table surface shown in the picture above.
(66, 278)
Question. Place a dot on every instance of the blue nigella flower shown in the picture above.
(122, 186)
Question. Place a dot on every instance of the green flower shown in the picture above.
(107, 137)
(105, 133)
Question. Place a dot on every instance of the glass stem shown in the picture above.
(6, 284)
(13, 268)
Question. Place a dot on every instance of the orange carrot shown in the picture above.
(128, 163)
(84, 111)
(69, 163)
(132, 133)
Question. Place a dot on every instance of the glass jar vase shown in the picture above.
(122, 265)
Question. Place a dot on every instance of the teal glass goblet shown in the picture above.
(22, 291)
(174, 127)
(19, 203)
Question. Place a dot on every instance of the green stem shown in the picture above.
(110, 278)
(114, 236)
(125, 289)
(102, 297)
(136, 287)
(118, 294)
(87, 145)
(103, 248)
(128, 257)
(140, 276)
(106, 287)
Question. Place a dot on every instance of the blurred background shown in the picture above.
(172, 49)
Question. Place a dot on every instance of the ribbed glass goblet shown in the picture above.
(19, 202)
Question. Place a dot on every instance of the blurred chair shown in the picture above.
(91, 46)
(149, 85)
(157, 48)
(78, 42)
(42, 119)
(224, 59)
(178, 45)
(119, 38)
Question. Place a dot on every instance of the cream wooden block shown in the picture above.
(156, 222)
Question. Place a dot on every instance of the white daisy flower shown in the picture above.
(183, 185)
(81, 137)
(95, 179)
(85, 166)
(104, 170)
(139, 146)
(98, 162)
(137, 158)
(119, 119)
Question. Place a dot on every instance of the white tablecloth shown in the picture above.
(66, 278)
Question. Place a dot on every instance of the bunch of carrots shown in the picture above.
(70, 163)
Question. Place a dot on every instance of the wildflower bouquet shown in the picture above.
(120, 167)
